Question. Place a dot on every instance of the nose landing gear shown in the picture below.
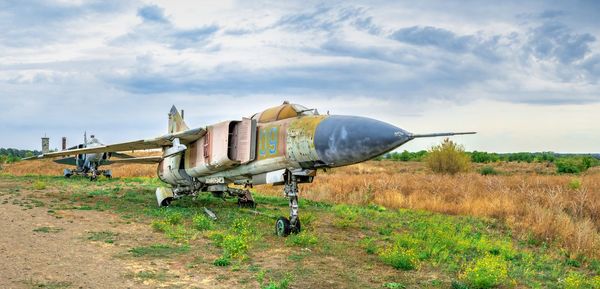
(283, 225)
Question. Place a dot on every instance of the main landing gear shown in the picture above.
(283, 225)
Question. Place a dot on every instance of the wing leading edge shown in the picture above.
(185, 137)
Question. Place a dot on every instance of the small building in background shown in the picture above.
(45, 144)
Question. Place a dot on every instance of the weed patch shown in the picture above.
(48, 230)
(303, 239)
(39, 185)
(102, 236)
(202, 222)
(487, 272)
(159, 251)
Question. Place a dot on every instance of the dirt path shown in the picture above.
(58, 254)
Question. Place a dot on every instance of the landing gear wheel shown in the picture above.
(296, 228)
(68, 176)
(282, 227)
(93, 178)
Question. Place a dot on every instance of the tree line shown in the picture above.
(11, 155)
(565, 163)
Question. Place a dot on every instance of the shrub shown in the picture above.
(202, 223)
(487, 272)
(234, 246)
(369, 245)
(159, 226)
(448, 158)
(399, 258)
(174, 218)
(575, 165)
(574, 281)
(568, 166)
(222, 261)
(394, 285)
(39, 185)
(575, 184)
(488, 170)
(484, 157)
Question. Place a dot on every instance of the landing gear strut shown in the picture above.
(283, 225)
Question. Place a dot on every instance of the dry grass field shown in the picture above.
(372, 225)
(530, 198)
(537, 204)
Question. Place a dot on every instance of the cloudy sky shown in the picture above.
(525, 75)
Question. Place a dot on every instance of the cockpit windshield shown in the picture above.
(286, 110)
(303, 110)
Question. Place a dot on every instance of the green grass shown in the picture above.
(48, 284)
(152, 275)
(365, 246)
(159, 251)
(48, 230)
(102, 236)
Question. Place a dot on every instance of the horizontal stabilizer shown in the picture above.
(441, 134)
(140, 160)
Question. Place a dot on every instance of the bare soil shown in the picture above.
(41, 248)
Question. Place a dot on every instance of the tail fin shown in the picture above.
(176, 123)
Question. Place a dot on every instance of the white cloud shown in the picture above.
(68, 66)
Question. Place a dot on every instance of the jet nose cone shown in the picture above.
(344, 140)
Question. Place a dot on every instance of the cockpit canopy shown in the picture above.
(286, 110)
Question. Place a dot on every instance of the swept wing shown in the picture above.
(185, 137)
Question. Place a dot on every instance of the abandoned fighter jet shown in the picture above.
(283, 145)
(87, 164)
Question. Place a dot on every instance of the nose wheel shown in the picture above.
(283, 225)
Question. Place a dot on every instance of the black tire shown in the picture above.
(282, 227)
(68, 176)
(296, 228)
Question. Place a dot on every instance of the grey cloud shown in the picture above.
(152, 13)
(34, 23)
(325, 18)
(432, 36)
(156, 27)
(555, 41)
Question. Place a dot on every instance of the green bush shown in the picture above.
(399, 258)
(160, 226)
(202, 222)
(448, 158)
(484, 157)
(487, 272)
(369, 245)
(174, 218)
(394, 285)
(39, 185)
(575, 184)
(488, 170)
(234, 246)
(222, 261)
(568, 166)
